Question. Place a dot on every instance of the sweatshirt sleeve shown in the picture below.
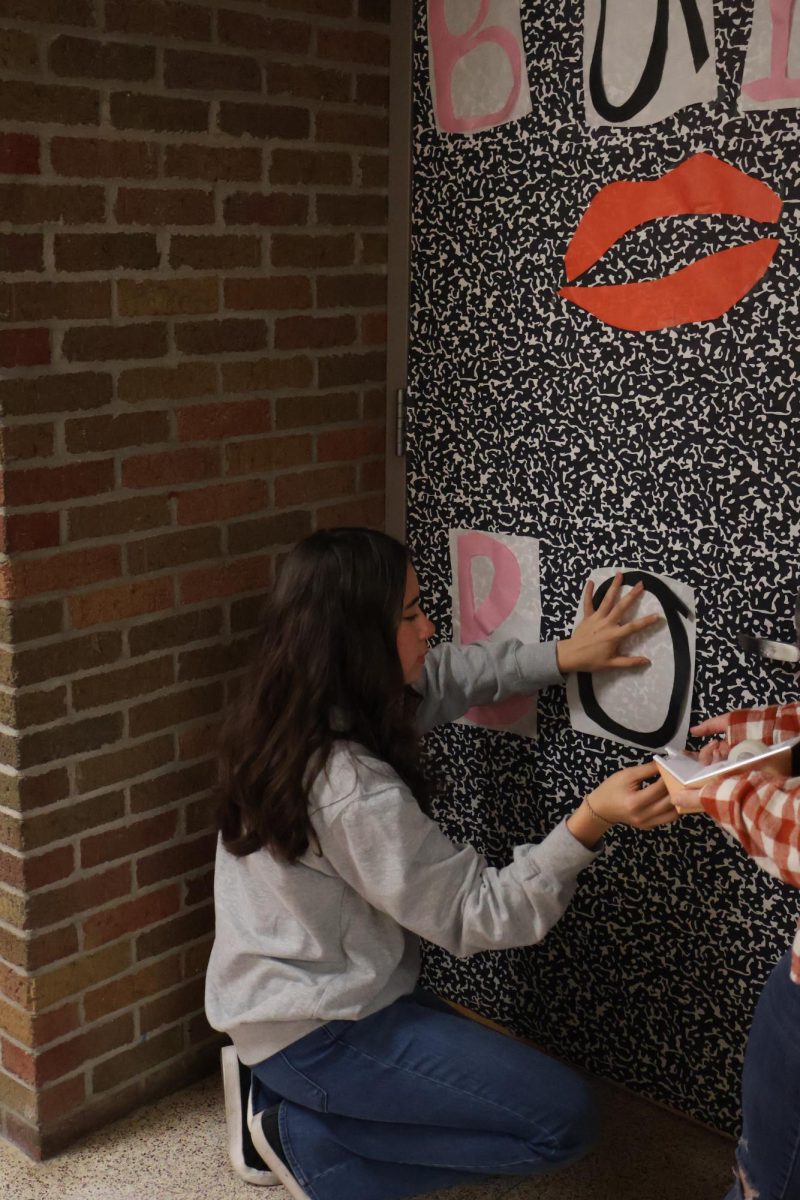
(457, 677)
(401, 863)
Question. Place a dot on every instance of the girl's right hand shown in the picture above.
(621, 799)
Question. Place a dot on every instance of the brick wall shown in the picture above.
(192, 328)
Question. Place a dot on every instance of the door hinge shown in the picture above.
(400, 422)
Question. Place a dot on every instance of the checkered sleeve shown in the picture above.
(764, 724)
(763, 812)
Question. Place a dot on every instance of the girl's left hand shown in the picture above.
(595, 643)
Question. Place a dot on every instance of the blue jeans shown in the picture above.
(768, 1156)
(415, 1098)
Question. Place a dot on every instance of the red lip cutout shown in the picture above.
(701, 291)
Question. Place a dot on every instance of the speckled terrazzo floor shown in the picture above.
(175, 1150)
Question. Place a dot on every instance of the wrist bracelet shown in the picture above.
(596, 815)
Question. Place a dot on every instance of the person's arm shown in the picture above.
(762, 811)
(398, 859)
(457, 677)
(775, 723)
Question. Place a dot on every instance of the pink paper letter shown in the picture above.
(777, 85)
(479, 623)
(448, 48)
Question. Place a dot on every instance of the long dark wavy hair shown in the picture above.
(327, 668)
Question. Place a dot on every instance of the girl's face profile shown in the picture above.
(413, 631)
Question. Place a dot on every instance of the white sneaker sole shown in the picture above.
(233, 1121)
(269, 1156)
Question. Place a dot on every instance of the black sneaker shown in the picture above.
(265, 1133)
(245, 1159)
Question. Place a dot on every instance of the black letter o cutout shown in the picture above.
(674, 609)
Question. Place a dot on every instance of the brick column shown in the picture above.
(192, 328)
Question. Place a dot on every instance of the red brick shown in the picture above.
(168, 383)
(372, 476)
(64, 657)
(93, 158)
(253, 31)
(59, 903)
(24, 347)
(257, 208)
(93, 434)
(29, 531)
(199, 70)
(66, 740)
(37, 485)
(164, 206)
(310, 168)
(162, 114)
(374, 329)
(372, 89)
(125, 764)
(374, 249)
(212, 163)
(356, 210)
(368, 512)
(228, 579)
(109, 687)
(173, 549)
(297, 412)
(175, 785)
(66, 1096)
(52, 12)
(263, 374)
(374, 170)
(67, 1056)
(66, 204)
(19, 52)
(298, 333)
(351, 291)
(167, 297)
(42, 103)
(194, 742)
(267, 454)
(342, 444)
(130, 989)
(221, 502)
(26, 441)
(374, 10)
(207, 251)
(177, 466)
(315, 251)
(175, 709)
(362, 46)
(220, 337)
(308, 81)
(130, 917)
(19, 154)
(247, 536)
(308, 487)
(105, 251)
(102, 343)
(59, 301)
(121, 603)
(55, 393)
(176, 860)
(263, 120)
(272, 293)
(159, 18)
(61, 571)
(134, 1062)
(347, 369)
(122, 516)
(76, 56)
(214, 422)
(21, 252)
(55, 1024)
(180, 630)
(174, 1006)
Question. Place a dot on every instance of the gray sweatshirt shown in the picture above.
(335, 936)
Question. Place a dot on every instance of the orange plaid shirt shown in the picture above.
(762, 811)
